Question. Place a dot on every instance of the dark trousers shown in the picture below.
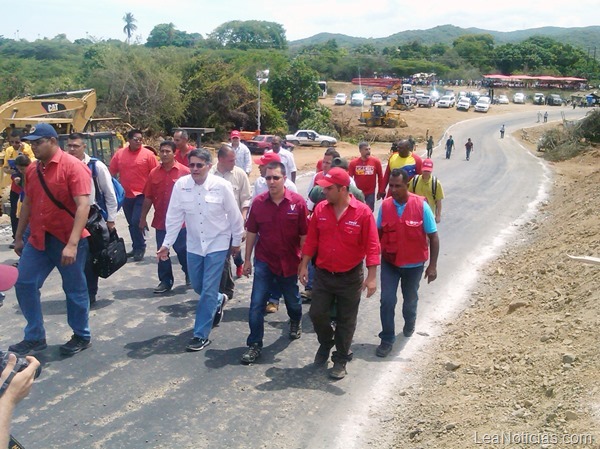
(165, 267)
(132, 207)
(14, 221)
(227, 285)
(345, 290)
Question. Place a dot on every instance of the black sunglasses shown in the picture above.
(196, 165)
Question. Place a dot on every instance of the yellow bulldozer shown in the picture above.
(379, 114)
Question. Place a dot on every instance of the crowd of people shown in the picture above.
(205, 209)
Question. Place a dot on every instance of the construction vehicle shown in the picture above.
(68, 112)
(379, 114)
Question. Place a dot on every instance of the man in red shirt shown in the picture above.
(57, 239)
(133, 164)
(181, 137)
(157, 192)
(367, 173)
(277, 223)
(341, 233)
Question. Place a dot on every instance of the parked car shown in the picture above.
(555, 100)
(263, 142)
(464, 104)
(539, 98)
(376, 98)
(341, 99)
(357, 99)
(310, 137)
(502, 99)
(425, 101)
(519, 98)
(419, 93)
(447, 101)
(483, 104)
(435, 94)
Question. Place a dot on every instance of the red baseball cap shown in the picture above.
(8, 277)
(337, 176)
(427, 165)
(234, 133)
(267, 158)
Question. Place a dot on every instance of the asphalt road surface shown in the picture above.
(136, 387)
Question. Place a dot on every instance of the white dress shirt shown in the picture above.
(243, 158)
(210, 213)
(287, 159)
(106, 186)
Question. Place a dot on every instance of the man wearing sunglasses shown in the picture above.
(133, 163)
(207, 206)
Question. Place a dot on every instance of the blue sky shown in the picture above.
(102, 19)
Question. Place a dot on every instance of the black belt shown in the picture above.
(340, 273)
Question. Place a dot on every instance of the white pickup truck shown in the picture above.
(310, 137)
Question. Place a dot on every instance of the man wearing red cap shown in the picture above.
(243, 158)
(341, 234)
(430, 187)
(407, 229)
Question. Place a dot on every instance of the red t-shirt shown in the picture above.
(158, 189)
(341, 245)
(279, 228)
(367, 174)
(133, 168)
(182, 158)
(66, 178)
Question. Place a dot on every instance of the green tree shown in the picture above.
(130, 25)
(250, 34)
(166, 34)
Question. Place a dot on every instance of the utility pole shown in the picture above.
(262, 76)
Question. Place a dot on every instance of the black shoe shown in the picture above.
(338, 371)
(138, 256)
(162, 288)
(306, 296)
(92, 299)
(295, 330)
(408, 330)
(220, 310)
(188, 283)
(27, 347)
(384, 349)
(197, 344)
(12, 245)
(2, 296)
(74, 345)
(322, 355)
(252, 354)
(130, 254)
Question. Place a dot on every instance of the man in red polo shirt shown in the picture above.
(133, 164)
(277, 223)
(341, 233)
(57, 239)
(367, 173)
(157, 192)
(181, 137)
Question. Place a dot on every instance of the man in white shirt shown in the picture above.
(215, 227)
(101, 177)
(243, 158)
(287, 158)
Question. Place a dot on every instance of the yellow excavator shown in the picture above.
(381, 115)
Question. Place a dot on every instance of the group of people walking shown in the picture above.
(204, 211)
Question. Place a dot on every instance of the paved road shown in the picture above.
(137, 387)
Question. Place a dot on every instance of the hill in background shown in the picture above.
(585, 37)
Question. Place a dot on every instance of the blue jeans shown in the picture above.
(261, 287)
(132, 207)
(370, 201)
(34, 268)
(311, 275)
(165, 268)
(205, 272)
(409, 279)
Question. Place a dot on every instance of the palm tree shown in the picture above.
(130, 25)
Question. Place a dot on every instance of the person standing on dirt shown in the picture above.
(404, 251)
(133, 164)
(429, 147)
(367, 173)
(214, 226)
(404, 158)
(243, 158)
(469, 147)
(449, 147)
(341, 234)
(157, 193)
(546, 117)
(286, 156)
(277, 255)
(430, 187)
(501, 133)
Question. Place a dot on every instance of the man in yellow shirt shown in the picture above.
(430, 187)
(15, 148)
